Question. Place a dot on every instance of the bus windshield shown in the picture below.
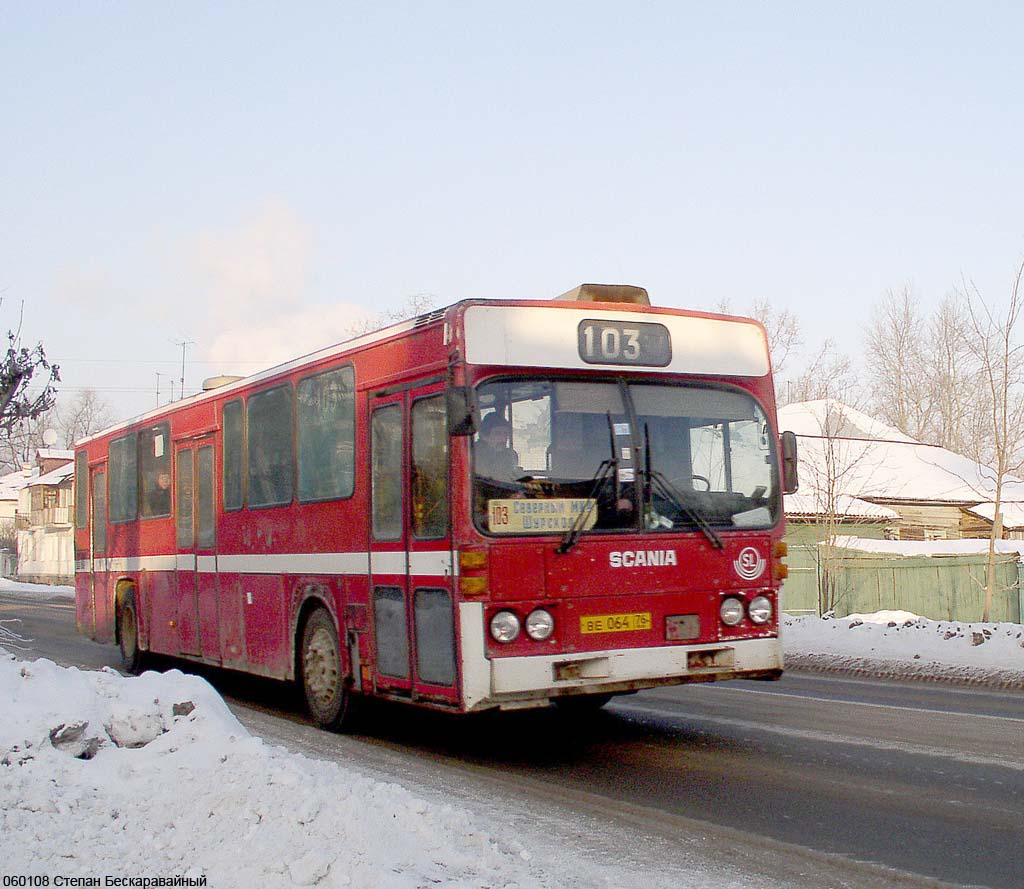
(551, 456)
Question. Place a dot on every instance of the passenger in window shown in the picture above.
(158, 502)
(495, 458)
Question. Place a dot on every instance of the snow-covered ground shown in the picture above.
(36, 590)
(901, 645)
(104, 775)
(153, 776)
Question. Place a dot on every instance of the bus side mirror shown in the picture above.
(790, 480)
(461, 411)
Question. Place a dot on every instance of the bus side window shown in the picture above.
(124, 479)
(271, 447)
(234, 455)
(325, 408)
(155, 471)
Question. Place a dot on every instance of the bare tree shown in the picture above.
(1000, 361)
(413, 306)
(19, 400)
(8, 535)
(901, 394)
(85, 414)
(829, 375)
(829, 478)
(957, 397)
(832, 463)
(20, 443)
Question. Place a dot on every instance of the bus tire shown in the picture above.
(133, 658)
(324, 684)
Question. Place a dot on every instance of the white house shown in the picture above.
(10, 487)
(46, 543)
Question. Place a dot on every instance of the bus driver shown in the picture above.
(495, 458)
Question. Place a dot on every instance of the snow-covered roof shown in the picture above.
(830, 417)
(13, 482)
(55, 476)
(1013, 513)
(865, 458)
(55, 454)
(908, 548)
(809, 504)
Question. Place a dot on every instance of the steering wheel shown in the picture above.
(691, 479)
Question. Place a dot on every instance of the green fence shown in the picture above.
(936, 587)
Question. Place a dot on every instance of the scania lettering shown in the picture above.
(643, 558)
(499, 504)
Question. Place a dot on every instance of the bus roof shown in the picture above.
(702, 333)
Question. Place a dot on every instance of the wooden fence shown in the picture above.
(936, 587)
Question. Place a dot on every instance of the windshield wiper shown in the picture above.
(655, 481)
(604, 472)
(607, 469)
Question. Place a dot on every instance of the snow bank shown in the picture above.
(898, 644)
(36, 590)
(153, 776)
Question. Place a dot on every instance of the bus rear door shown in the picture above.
(196, 547)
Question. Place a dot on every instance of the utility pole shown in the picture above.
(184, 344)
(158, 375)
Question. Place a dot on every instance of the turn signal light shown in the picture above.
(473, 586)
(781, 571)
(781, 549)
(472, 560)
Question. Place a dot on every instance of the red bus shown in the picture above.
(498, 504)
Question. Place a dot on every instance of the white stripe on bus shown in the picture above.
(420, 563)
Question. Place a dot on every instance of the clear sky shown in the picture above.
(253, 176)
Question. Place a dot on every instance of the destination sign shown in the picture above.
(634, 343)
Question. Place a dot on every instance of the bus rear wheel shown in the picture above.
(323, 681)
(132, 656)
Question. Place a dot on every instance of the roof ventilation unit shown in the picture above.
(607, 293)
(223, 380)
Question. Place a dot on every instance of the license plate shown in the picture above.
(615, 623)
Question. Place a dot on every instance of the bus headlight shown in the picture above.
(760, 610)
(504, 626)
(731, 612)
(539, 625)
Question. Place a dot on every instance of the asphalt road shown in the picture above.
(809, 781)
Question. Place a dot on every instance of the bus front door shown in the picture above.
(410, 546)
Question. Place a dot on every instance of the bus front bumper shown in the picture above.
(517, 682)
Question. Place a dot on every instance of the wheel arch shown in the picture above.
(309, 599)
(122, 587)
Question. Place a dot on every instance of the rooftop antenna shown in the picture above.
(184, 345)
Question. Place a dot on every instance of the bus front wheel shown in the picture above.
(323, 681)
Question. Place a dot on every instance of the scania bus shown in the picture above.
(342, 520)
